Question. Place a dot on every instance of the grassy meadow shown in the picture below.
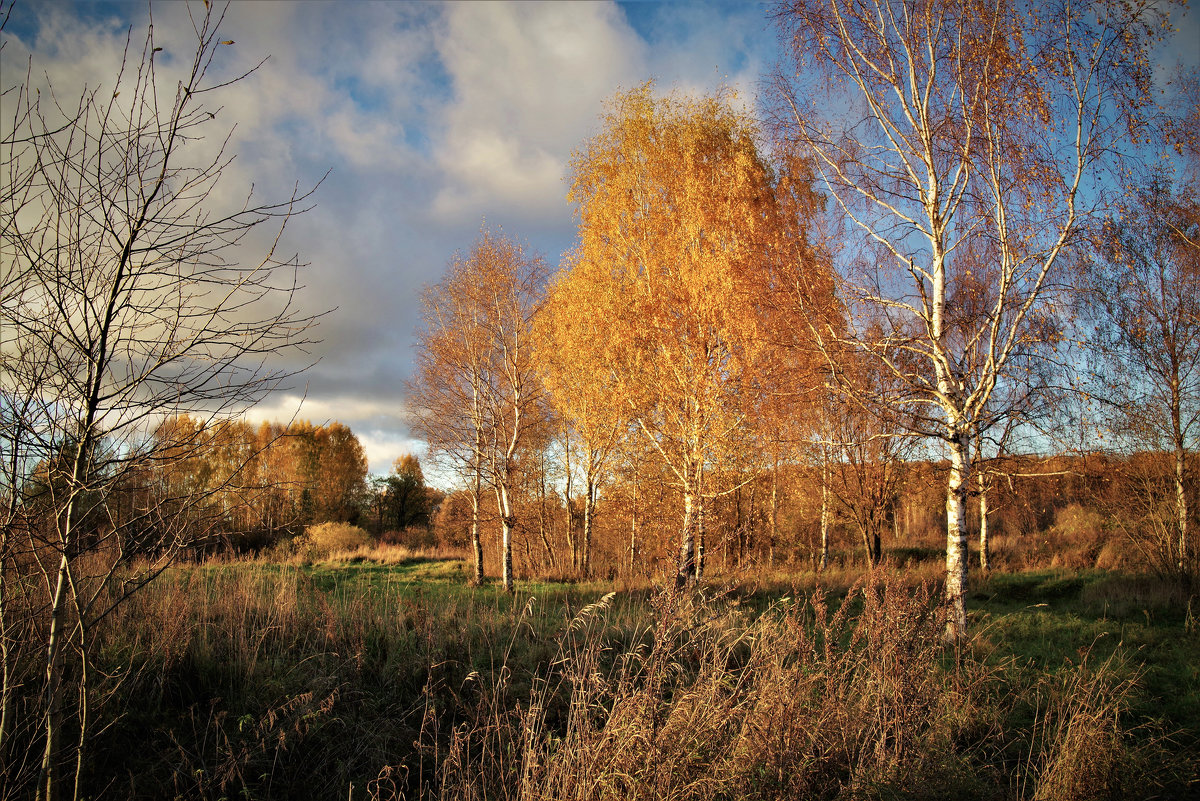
(383, 674)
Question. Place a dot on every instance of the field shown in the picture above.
(386, 676)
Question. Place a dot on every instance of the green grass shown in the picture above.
(290, 680)
(1048, 620)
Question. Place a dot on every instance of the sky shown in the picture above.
(431, 120)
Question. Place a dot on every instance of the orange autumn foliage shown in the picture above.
(662, 315)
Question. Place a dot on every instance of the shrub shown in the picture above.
(1078, 535)
(328, 538)
(1073, 522)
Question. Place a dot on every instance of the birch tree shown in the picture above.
(445, 396)
(938, 128)
(1143, 290)
(475, 393)
(126, 300)
(680, 241)
(571, 361)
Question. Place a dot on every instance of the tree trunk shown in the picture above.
(543, 514)
(507, 521)
(589, 506)
(545, 539)
(476, 541)
(985, 552)
(572, 543)
(6, 655)
(739, 529)
(956, 538)
(686, 572)
(774, 515)
(84, 717)
(1181, 504)
(823, 561)
(633, 523)
(1181, 510)
(48, 778)
(747, 543)
(476, 497)
(865, 531)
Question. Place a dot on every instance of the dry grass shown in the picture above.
(391, 554)
(289, 681)
(1087, 755)
(800, 702)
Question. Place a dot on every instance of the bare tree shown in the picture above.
(951, 129)
(1143, 291)
(867, 473)
(124, 302)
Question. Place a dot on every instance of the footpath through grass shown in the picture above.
(365, 680)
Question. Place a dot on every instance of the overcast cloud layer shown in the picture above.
(429, 119)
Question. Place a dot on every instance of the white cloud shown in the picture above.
(384, 447)
(529, 82)
(378, 424)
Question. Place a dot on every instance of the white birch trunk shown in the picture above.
(956, 538)
(823, 561)
(686, 572)
(1181, 504)
(985, 553)
(476, 541)
(503, 496)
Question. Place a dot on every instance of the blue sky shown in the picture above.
(429, 118)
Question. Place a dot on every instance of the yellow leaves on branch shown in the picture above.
(672, 198)
(663, 308)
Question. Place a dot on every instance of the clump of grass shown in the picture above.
(1087, 754)
(712, 703)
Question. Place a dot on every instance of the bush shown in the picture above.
(410, 537)
(1076, 523)
(325, 539)
(1078, 535)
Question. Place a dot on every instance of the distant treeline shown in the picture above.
(232, 486)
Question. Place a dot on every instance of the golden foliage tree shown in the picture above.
(569, 352)
(475, 393)
(665, 291)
